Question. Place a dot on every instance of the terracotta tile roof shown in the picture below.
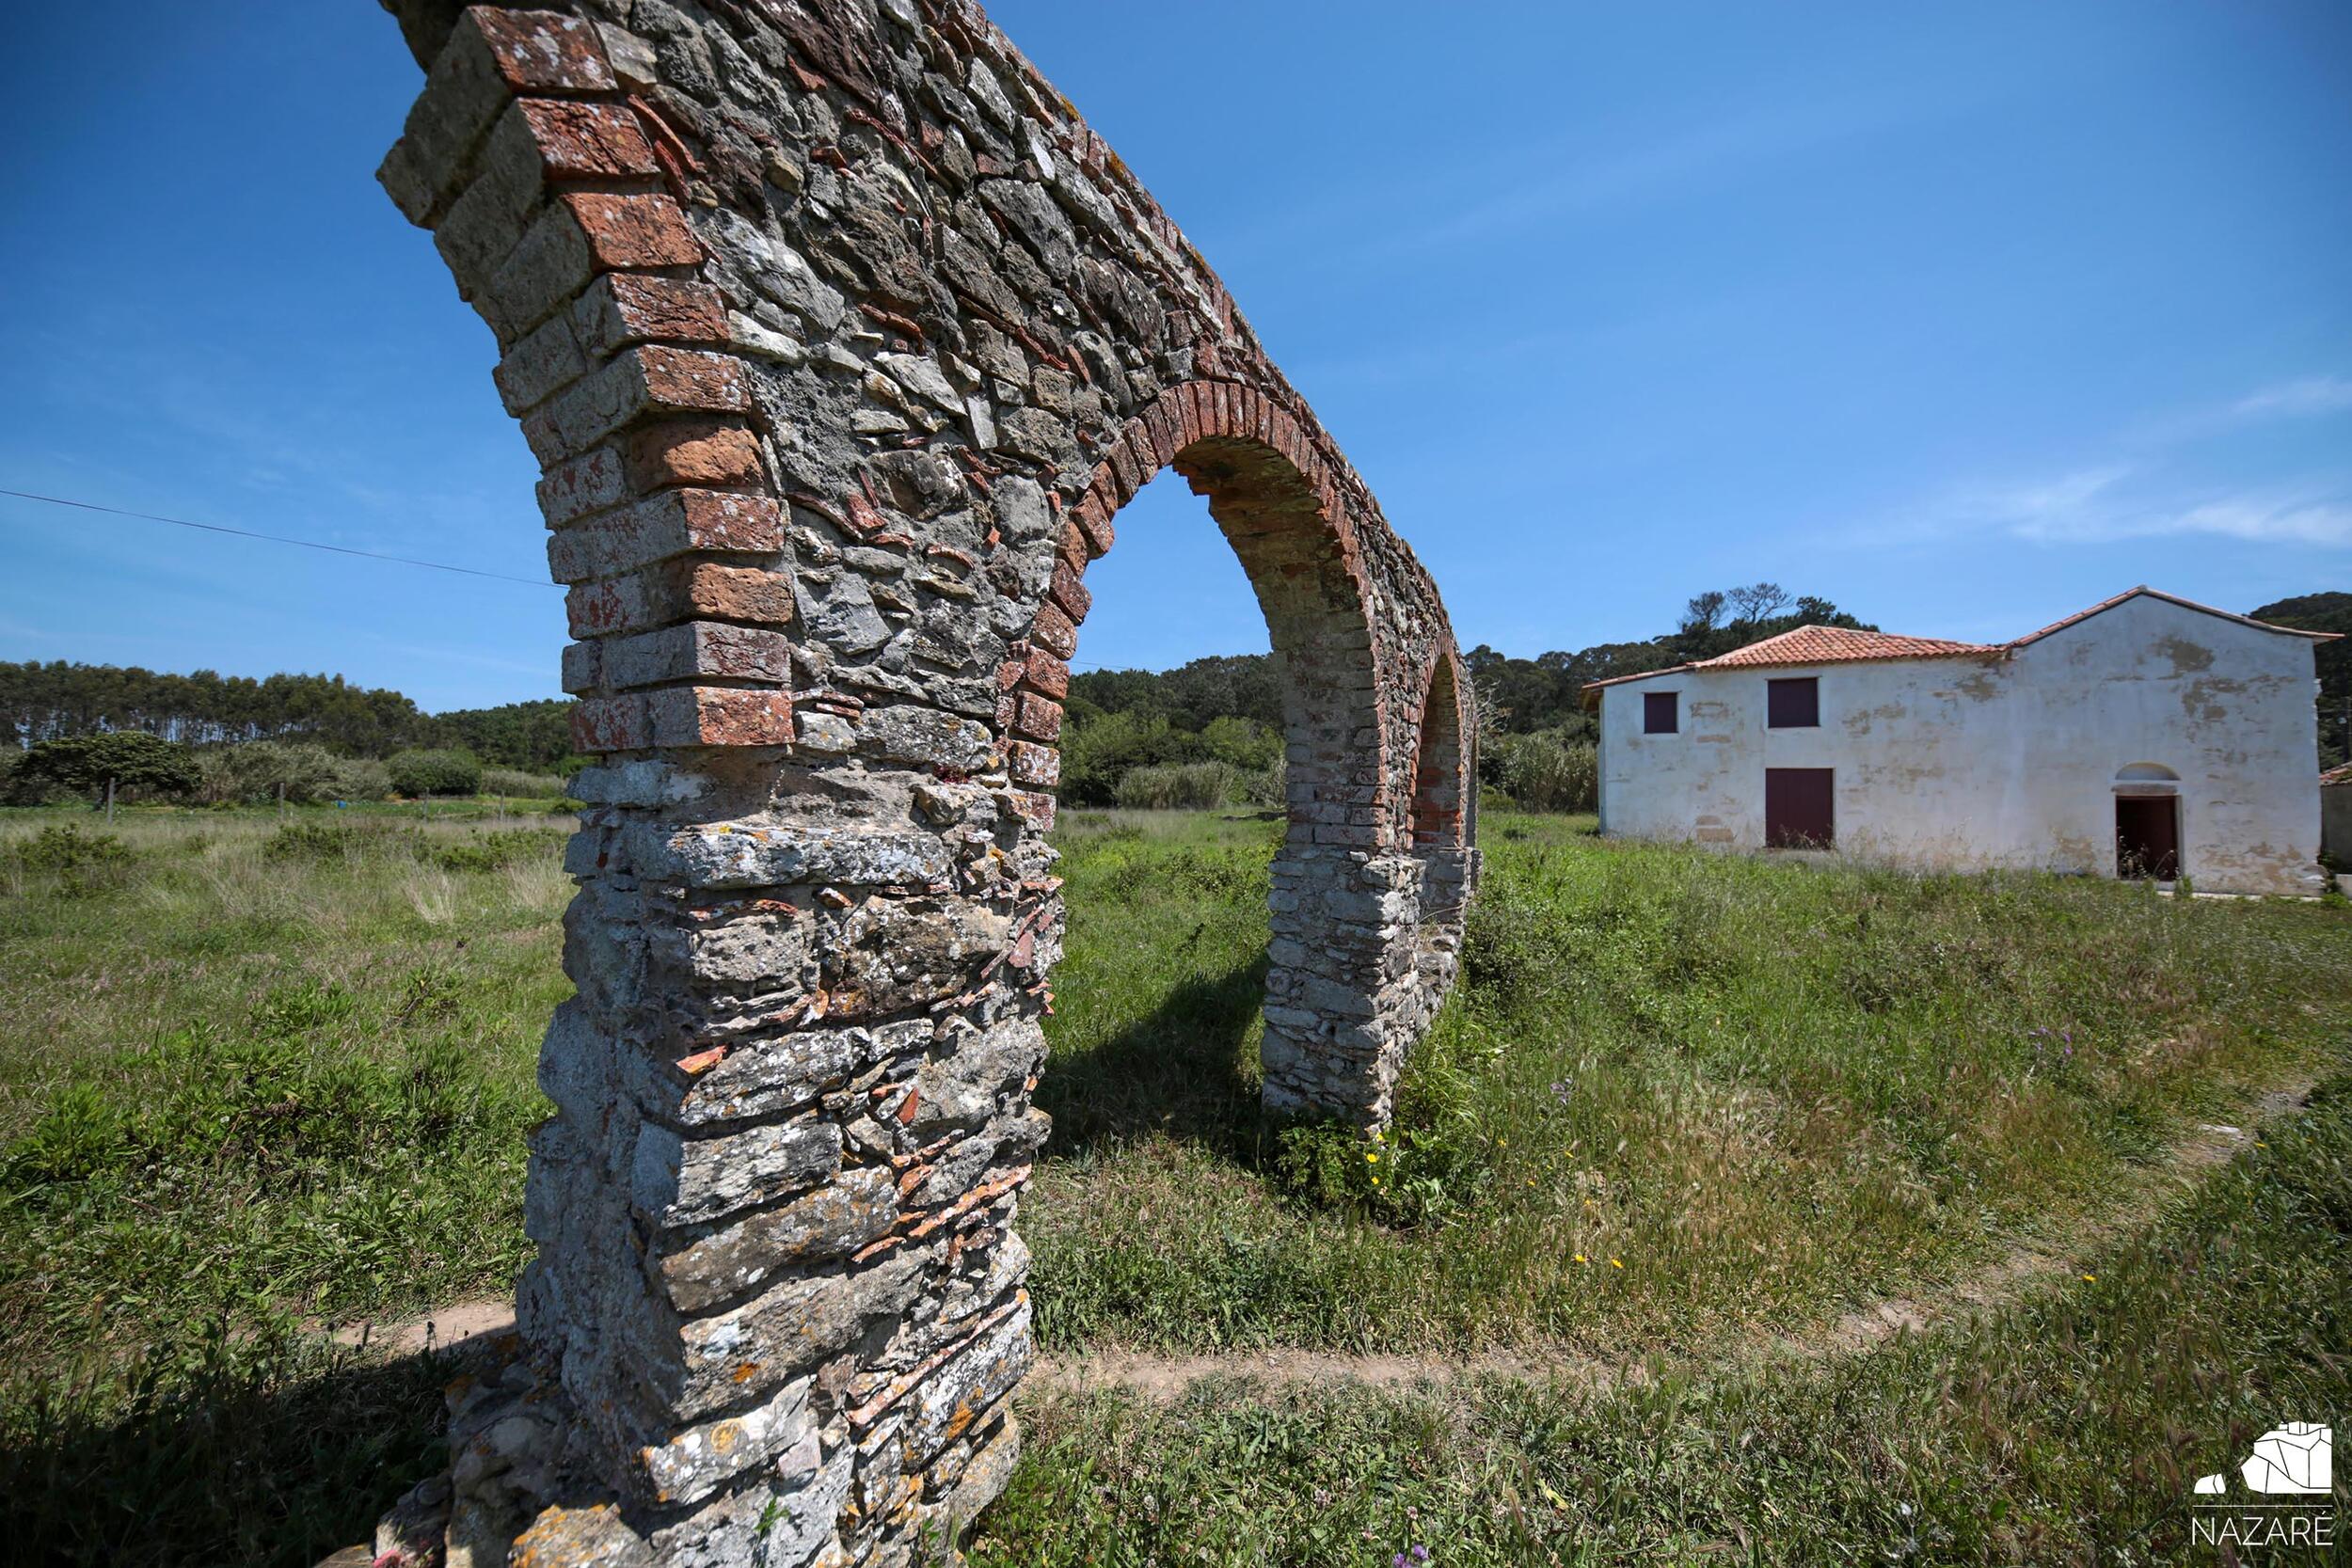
(1818, 645)
(1837, 645)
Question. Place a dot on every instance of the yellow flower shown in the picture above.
(1616, 1263)
(1372, 1158)
(2090, 1279)
(1582, 1258)
(1376, 1182)
(1502, 1142)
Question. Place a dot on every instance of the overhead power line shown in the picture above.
(283, 539)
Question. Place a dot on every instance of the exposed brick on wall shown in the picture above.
(841, 342)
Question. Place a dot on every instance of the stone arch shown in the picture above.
(1445, 788)
(2145, 772)
(1325, 1047)
(841, 339)
(1443, 824)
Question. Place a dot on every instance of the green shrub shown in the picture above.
(319, 842)
(138, 765)
(259, 770)
(421, 773)
(494, 851)
(362, 779)
(68, 850)
(1182, 787)
(1244, 744)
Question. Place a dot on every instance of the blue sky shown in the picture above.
(1963, 317)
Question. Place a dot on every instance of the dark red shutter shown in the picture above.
(1794, 704)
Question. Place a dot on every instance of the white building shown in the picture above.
(2146, 735)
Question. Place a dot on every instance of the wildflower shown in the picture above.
(1616, 1263)
(1582, 1258)
(1421, 1553)
(1372, 1158)
(2090, 1279)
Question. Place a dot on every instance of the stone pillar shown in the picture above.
(840, 343)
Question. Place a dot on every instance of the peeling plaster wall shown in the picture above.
(1976, 762)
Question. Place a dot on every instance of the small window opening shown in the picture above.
(1659, 712)
(1794, 704)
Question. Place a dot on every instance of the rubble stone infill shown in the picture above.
(841, 340)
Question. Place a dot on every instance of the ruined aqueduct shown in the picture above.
(842, 341)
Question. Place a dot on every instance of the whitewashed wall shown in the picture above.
(1979, 762)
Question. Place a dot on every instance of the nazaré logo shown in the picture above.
(2291, 1462)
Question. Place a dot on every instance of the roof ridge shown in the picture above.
(2135, 591)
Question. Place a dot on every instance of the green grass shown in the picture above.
(258, 1068)
(1768, 1090)
(261, 1074)
(2065, 1430)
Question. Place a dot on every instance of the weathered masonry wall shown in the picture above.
(842, 341)
(2005, 760)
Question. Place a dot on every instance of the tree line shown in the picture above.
(2324, 613)
(59, 701)
(1123, 725)
(1207, 732)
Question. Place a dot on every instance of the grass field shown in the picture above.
(1687, 1113)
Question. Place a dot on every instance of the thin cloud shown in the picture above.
(2253, 518)
(2151, 491)
(2101, 505)
(2313, 394)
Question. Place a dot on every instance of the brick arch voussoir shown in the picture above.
(1035, 681)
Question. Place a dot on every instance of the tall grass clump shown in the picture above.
(522, 786)
(1181, 787)
(1548, 772)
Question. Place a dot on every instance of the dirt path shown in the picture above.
(1161, 1378)
(460, 1323)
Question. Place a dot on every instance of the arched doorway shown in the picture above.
(840, 362)
(2148, 822)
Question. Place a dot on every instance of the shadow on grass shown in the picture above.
(277, 1451)
(1179, 1071)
